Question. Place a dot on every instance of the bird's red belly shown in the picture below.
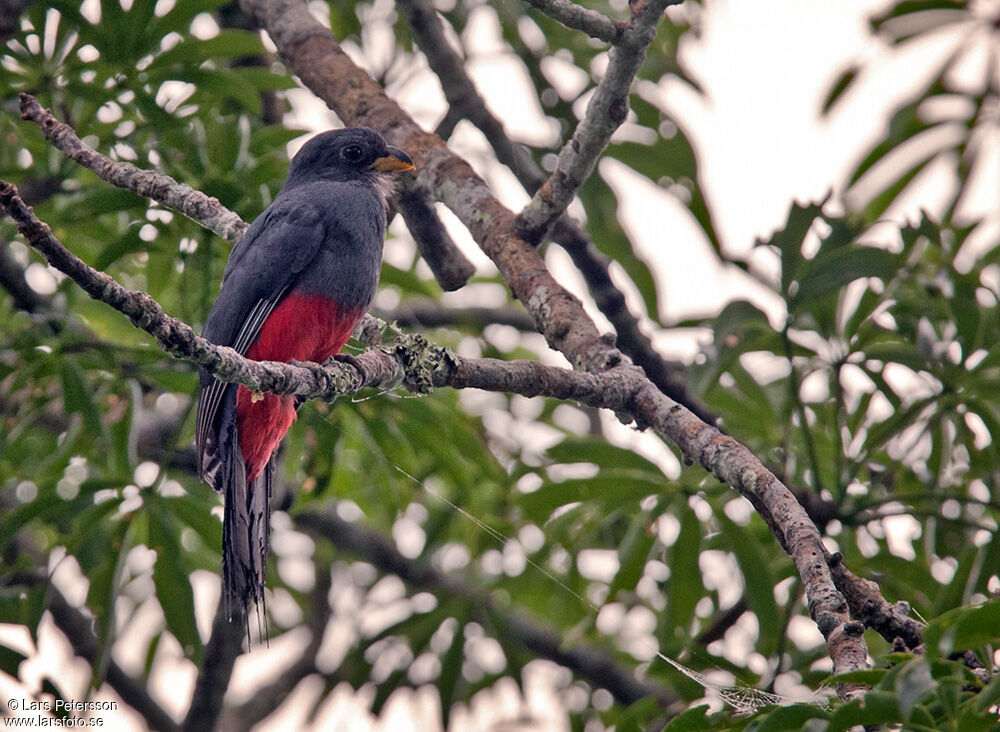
(301, 328)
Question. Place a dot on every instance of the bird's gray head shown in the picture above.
(353, 153)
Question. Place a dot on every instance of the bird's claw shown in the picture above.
(349, 360)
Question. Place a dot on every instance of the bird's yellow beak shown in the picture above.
(396, 160)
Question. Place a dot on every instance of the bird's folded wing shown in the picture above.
(262, 270)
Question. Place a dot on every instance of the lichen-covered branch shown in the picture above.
(605, 113)
(316, 57)
(312, 53)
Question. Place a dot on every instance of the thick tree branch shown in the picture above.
(451, 268)
(464, 99)
(588, 663)
(591, 22)
(314, 54)
(605, 113)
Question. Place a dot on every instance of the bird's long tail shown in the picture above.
(245, 531)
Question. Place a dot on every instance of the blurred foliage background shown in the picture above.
(874, 395)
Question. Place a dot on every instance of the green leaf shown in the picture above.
(690, 721)
(229, 43)
(604, 454)
(844, 82)
(879, 707)
(833, 269)
(963, 629)
(77, 396)
(788, 240)
(633, 552)
(685, 587)
(613, 487)
(173, 586)
(758, 582)
(10, 660)
(793, 717)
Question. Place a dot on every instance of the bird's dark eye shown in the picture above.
(353, 153)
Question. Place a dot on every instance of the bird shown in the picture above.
(296, 285)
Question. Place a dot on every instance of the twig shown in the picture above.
(591, 22)
(429, 314)
(463, 98)
(606, 110)
(588, 663)
(868, 605)
(206, 210)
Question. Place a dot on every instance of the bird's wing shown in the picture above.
(262, 269)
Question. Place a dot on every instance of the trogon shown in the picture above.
(297, 284)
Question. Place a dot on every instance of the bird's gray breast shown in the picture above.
(349, 258)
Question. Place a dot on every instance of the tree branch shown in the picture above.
(465, 100)
(868, 605)
(451, 268)
(198, 207)
(606, 111)
(223, 648)
(429, 314)
(317, 58)
(591, 22)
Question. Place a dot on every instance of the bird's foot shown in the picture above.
(349, 360)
